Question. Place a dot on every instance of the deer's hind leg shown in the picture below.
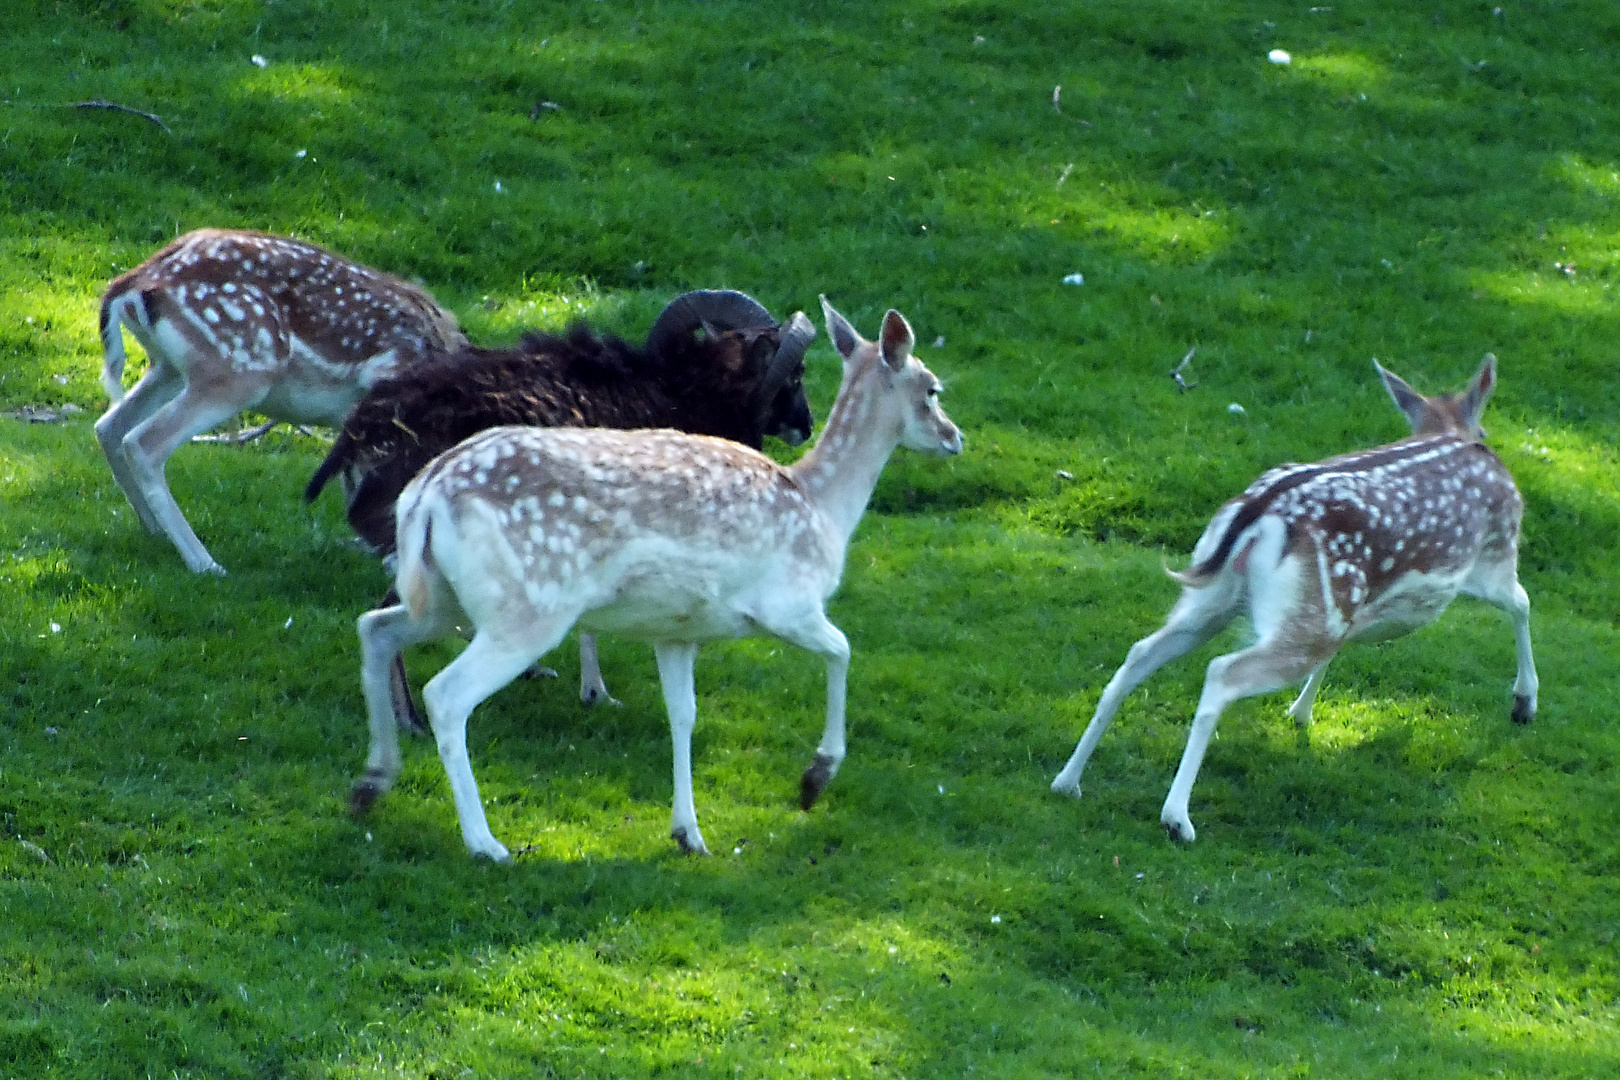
(197, 408)
(160, 385)
(488, 663)
(1291, 654)
(1497, 582)
(1198, 616)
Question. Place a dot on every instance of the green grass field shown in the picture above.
(1414, 888)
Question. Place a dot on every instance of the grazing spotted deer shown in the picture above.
(521, 532)
(1366, 545)
(233, 320)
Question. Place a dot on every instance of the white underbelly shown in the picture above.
(1414, 601)
(310, 402)
(652, 615)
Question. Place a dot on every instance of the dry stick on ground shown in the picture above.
(115, 107)
(237, 438)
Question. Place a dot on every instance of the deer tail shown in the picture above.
(113, 307)
(414, 540)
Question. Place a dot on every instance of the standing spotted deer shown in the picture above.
(522, 532)
(1367, 545)
(233, 320)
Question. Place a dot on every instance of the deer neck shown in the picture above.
(841, 470)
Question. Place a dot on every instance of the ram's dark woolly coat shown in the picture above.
(702, 385)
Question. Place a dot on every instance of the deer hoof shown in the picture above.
(1179, 831)
(493, 850)
(1061, 785)
(1524, 710)
(364, 793)
(539, 671)
(815, 780)
(597, 696)
(690, 841)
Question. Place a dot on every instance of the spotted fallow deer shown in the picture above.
(233, 320)
(521, 532)
(1367, 545)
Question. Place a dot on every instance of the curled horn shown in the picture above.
(721, 309)
(797, 333)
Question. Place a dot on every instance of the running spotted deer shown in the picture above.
(676, 539)
(1367, 545)
(231, 320)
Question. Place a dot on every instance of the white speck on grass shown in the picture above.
(1075, 278)
(498, 188)
(1235, 409)
(942, 789)
(301, 154)
(288, 624)
(56, 628)
(258, 62)
(1278, 56)
(995, 919)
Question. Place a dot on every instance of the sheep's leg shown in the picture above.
(816, 634)
(1197, 617)
(592, 690)
(156, 388)
(383, 633)
(1300, 710)
(149, 446)
(1498, 583)
(486, 665)
(675, 662)
(1267, 666)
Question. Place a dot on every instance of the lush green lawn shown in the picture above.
(1415, 888)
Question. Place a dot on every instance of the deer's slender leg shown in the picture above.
(1300, 710)
(1269, 665)
(484, 666)
(592, 690)
(1198, 616)
(193, 411)
(1498, 583)
(811, 630)
(675, 662)
(156, 388)
(383, 633)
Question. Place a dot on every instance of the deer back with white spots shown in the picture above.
(233, 320)
(677, 539)
(1365, 545)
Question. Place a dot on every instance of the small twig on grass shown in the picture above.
(115, 107)
(237, 438)
(1182, 385)
(541, 106)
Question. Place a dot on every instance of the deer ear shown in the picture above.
(897, 339)
(844, 337)
(1408, 400)
(1479, 390)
